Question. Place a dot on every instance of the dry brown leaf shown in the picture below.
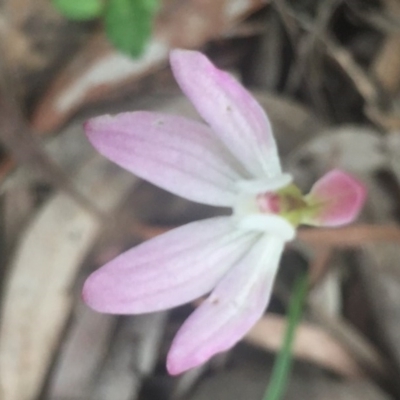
(311, 343)
(37, 299)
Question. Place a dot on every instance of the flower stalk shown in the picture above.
(282, 367)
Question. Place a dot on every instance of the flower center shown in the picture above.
(287, 202)
(287, 205)
(268, 203)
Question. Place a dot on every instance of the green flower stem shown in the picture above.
(282, 366)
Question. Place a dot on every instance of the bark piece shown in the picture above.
(133, 356)
(81, 354)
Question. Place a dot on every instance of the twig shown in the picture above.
(376, 99)
(347, 237)
(363, 83)
(383, 21)
(291, 27)
(306, 51)
(351, 236)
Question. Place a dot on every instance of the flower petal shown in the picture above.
(230, 110)
(231, 310)
(337, 199)
(268, 223)
(175, 153)
(169, 270)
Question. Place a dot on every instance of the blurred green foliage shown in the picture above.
(128, 23)
(80, 10)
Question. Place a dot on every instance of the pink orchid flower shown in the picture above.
(232, 162)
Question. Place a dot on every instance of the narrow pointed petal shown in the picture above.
(230, 110)
(174, 153)
(337, 198)
(169, 270)
(231, 310)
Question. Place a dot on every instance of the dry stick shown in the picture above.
(312, 60)
(351, 236)
(383, 21)
(291, 27)
(347, 237)
(386, 64)
(378, 104)
(324, 13)
(325, 240)
(22, 144)
(296, 45)
(364, 84)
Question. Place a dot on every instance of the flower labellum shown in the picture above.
(231, 161)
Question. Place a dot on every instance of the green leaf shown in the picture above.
(282, 367)
(129, 24)
(80, 9)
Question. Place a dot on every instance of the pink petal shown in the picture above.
(231, 310)
(230, 110)
(169, 270)
(175, 153)
(337, 197)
